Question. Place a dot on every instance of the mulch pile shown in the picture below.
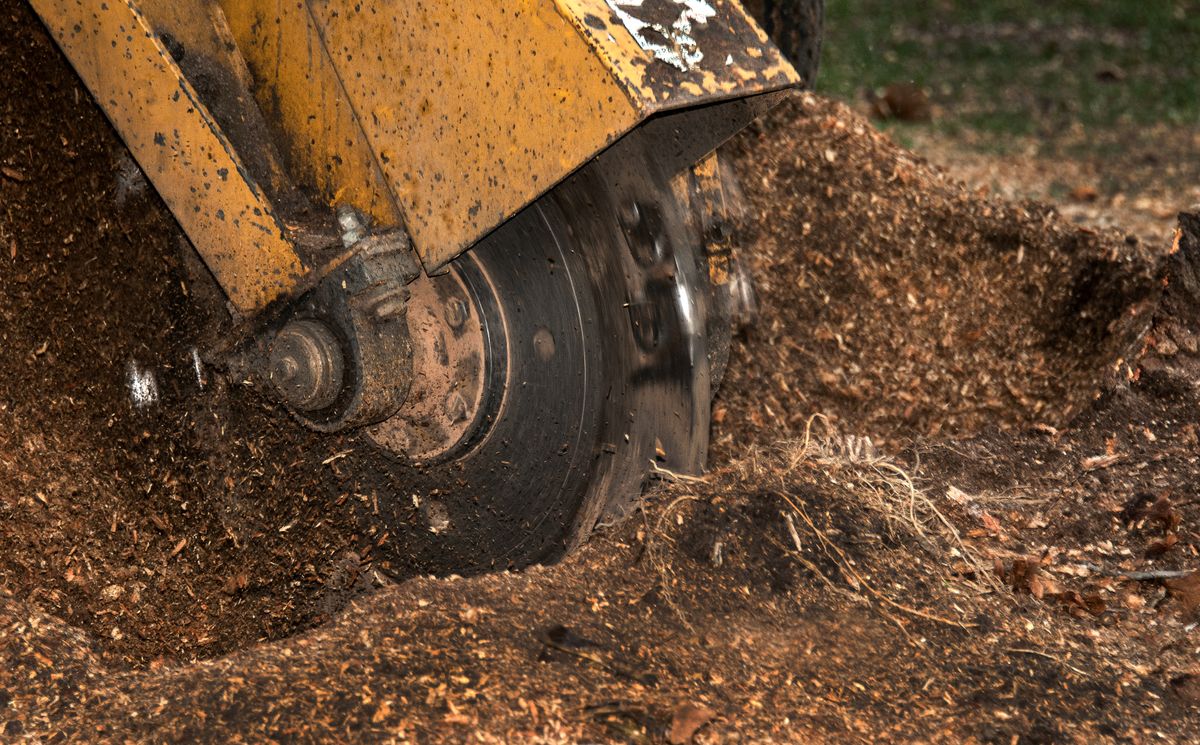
(986, 535)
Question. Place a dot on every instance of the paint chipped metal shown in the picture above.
(505, 103)
(677, 46)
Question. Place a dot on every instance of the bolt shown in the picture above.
(456, 313)
(306, 365)
(285, 368)
(353, 225)
(456, 408)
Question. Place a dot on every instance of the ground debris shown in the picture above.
(964, 354)
(686, 721)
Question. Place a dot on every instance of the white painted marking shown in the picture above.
(678, 47)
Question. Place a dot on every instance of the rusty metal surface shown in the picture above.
(457, 365)
(179, 145)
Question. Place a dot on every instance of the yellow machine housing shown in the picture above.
(442, 117)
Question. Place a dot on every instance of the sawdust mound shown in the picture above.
(901, 305)
(893, 302)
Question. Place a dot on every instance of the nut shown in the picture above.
(306, 365)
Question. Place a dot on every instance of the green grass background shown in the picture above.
(1014, 67)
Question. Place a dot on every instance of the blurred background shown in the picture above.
(1004, 68)
(1094, 104)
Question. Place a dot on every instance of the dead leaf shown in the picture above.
(1187, 590)
(1041, 586)
(1092, 603)
(1085, 193)
(1020, 574)
(1163, 512)
(907, 102)
(1187, 688)
(687, 720)
(1160, 547)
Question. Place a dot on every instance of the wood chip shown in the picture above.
(1100, 461)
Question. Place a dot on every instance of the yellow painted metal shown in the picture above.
(298, 88)
(717, 51)
(712, 206)
(473, 109)
(445, 117)
(178, 144)
(198, 28)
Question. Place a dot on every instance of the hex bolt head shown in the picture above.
(353, 225)
(306, 365)
(456, 313)
(457, 408)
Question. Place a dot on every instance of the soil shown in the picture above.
(957, 427)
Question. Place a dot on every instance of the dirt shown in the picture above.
(903, 305)
(168, 530)
(1006, 408)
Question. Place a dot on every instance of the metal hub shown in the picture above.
(306, 365)
(458, 366)
(531, 384)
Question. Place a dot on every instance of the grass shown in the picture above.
(1001, 68)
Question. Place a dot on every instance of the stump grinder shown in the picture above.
(490, 239)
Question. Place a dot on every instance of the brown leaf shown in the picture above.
(1022, 575)
(1092, 603)
(904, 101)
(1158, 548)
(1041, 586)
(1187, 590)
(1187, 688)
(687, 719)
(1163, 512)
(1085, 193)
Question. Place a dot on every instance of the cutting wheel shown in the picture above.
(583, 366)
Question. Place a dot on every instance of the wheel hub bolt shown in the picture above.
(457, 408)
(306, 365)
(456, 313)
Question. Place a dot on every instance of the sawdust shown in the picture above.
(817, 585)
